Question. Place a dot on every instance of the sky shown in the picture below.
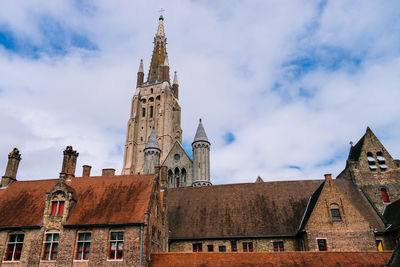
(282, 86)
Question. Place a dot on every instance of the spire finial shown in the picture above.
(351, 143)
(200, 120)
(161, 12)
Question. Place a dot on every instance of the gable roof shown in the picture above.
(355, 196)
(121, 199)
(238, 210)
(178, 146)
(292, 258)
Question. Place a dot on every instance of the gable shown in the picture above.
(177, 149)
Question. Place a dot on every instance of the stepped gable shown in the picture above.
(239, 210)
(100, 200)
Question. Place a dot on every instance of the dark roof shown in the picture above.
(100, 200)
(392, 215)
(239, 210)
(295, 258)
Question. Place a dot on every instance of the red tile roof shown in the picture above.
(282, 259)
(100, 200)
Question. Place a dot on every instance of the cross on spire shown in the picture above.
(161, 12)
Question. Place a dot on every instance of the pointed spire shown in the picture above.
(141, 66)
(200, 133)
(175, 78)
(152, 142)
(160, 30)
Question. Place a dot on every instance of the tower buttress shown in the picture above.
(175, 85)
(201, 157)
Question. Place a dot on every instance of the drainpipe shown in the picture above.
(141, 245)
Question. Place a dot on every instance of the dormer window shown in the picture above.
(371, 162)
(335, 213)
(381, 161)
(57, 208)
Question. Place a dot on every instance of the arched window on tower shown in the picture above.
(143, 112)
(381, 161)
(170, 177)
(183, 172)
(371, 161)
(177, 178)
(385, 196)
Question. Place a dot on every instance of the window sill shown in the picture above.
(10, 261)
(81, 260)
(115, 260)
(48, 260)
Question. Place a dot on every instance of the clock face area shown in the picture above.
(177, 157)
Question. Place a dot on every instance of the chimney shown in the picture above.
(12, 167)
(69, 162)
(140, 74)
(328, 176)
(108, 172)
(86, 170)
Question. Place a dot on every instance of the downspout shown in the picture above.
(141, 245)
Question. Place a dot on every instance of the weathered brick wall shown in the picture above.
(351, 233)
(259, 244)
(33, 248)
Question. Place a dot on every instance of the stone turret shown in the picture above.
(12, 168)
(69, 163)
(201, 157)
(175, 85)
(151, 154)
(140, 74)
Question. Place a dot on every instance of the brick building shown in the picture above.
(164, 201)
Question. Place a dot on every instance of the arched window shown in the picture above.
(177, 178)
(371, 161)
(143, 112)
(381, 161)
(151, 90)
(184, 175)
(151, 111)
(335, 212)
(170, 176)
(385, 196)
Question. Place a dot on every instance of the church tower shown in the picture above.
(154, 106)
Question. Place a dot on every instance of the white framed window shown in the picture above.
(83, 246)
(116, 245)
(50, 246)
(14, 247)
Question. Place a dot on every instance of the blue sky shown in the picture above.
(282, 86)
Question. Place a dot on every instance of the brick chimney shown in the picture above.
(69, 163)
(108, 172)
(328, 178)
(86, 170)
(12, 167)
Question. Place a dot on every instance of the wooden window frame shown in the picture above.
(12, 247)
(221, 248)
(53, 247)
(117, 241)
(85, 249)
(278, 247)
(210, 248)
(336, 218)
(234, 246)
(197, 247)
(248, 247)
(59, 210)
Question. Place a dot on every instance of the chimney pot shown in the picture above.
(86, 170)
(108, 172)
(14, 157)
(328, 176)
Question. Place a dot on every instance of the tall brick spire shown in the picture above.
(159, 54)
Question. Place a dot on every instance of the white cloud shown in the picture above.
(228, 57)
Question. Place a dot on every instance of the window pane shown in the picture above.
(335, 213)
(120, 245)
(112, 255)
(61, 208)
(321, 244)
(55, 247)
(10, 252)
(46, 255)
(47, 247)
(19, 247)
(17, 255)
(81, 237)
(48, 237)
(53, 255)
(86, 256)
(120, 235)
(222, 248)
(210, 248)
(87, 236)
(12, 238)
(20, 238)
(55, 237)
(53, 208)
(79, 257)
(119, 255)
(113, 246)
(113, 235)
